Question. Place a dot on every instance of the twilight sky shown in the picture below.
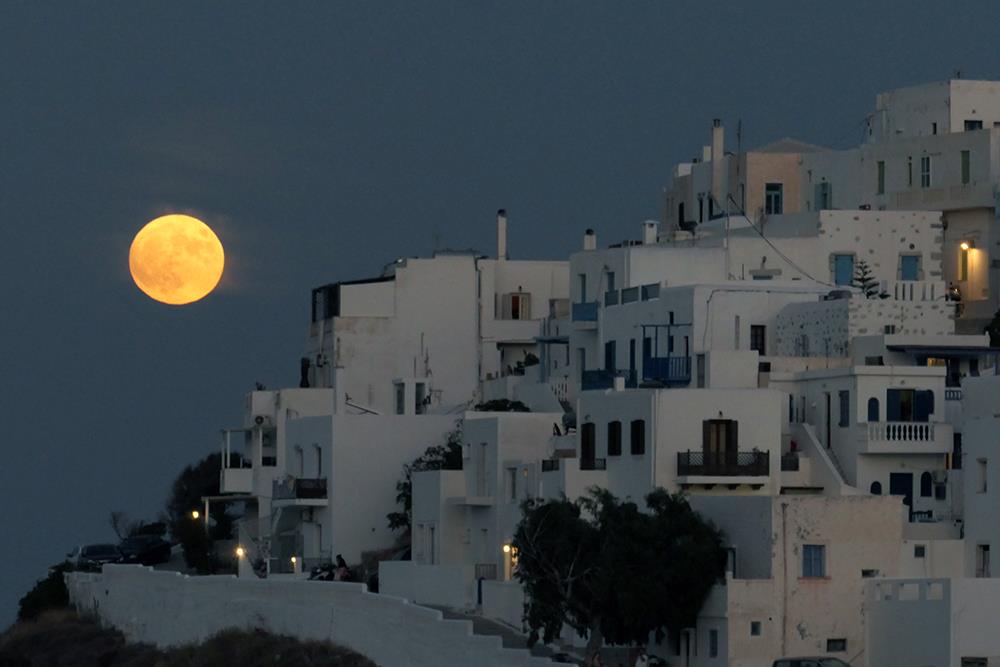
(323, 142)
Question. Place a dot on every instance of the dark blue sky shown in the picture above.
(323, 142)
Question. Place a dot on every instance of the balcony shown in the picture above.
(905, 438)
(668, 371)
(236, 480)
(953, 394)
(604, 379)
(585, 311)
(732, 468)
(302, 492)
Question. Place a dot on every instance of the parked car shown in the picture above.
(145, 550)
(811, 661)
(94, 556)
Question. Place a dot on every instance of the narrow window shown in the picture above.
(701, 209)
(873, 409)
(400, 398)
(926, 485)
(845, 408)
(588, 449)
(758, 338)
(736, 333)
(582, 280)
(925, 171)
(773, 196)
(755, 628)
(700, 371)
(813, 560)
(824, 196)
(909, 171)
(963, 262)
(638, 439)
(981, 480)
(933, 128)
(881, 177)
(713, 643)
(966, 167)
(614, 438)
(511, 484)
(983, 560)
(876, 488)
(956, 451)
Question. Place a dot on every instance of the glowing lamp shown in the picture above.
(964, 245)
(506, 548)
(294, 560)
(240, 552)
(195, 514)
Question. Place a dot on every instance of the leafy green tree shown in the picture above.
(437, 457)
(865, 280)
(195, 482)
(613, 571)
(48, 593)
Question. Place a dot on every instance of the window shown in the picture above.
(736, 333)
(824, 196)
(720, 441)
(638, 433)
(966, 168)
(909, 267)
(701, 208)
(881, 178)
(983, 560)
(400, 398)
(791, 409)
(700, 371)
(873, 409)
(933, 128)
(909, 405)
(755, 628)
(956, 451)
(758, 338)
(925, 171)
(981, 475)
(972, 125)
(773, 195)
(611, 281)
(909, 171)
(582, 280)
(516, 306)
(919, 551)
(588, 450)
(813, 561)
(926, 485)
(614, 438)
(876, 488)
(713, 643)
(836, 645)
(845, 408)
(511, 485)
(421, 398)
(843, 269)
(610, 353)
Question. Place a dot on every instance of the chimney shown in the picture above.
(589, 240)
(650, 230)
(719, 188)
(502, 234)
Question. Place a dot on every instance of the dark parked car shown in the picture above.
(817, 661)
(145, 550)
(93, 556)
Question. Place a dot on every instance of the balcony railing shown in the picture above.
(901, 431)
(585, 311)
(952, 394)
(723, 464)
(593, 464)
(605, 379)
(611, 298)
(668, 370)
(298, 489)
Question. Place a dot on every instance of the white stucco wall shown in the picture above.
(191, 609)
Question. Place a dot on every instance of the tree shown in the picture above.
(606, 568)
(195, 482)
(865, 280)
(437, 457)
(48, 593)
(502, 405)
(993, 330)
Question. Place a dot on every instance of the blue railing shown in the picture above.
(605, 379)
(585, 312)
(668, 370)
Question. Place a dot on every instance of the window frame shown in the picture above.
(637, 446)
(811, 555)
(880, 184)
(774, 198)
(925, 171)
(614, 444)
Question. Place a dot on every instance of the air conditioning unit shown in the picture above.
(263, 420)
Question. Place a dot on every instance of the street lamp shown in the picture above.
(195, 514)
(240, 552)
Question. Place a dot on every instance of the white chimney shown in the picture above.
(502, 234)
(719, 188)
(650, 230)
(706, 153)
(589, 240)
(619, 383)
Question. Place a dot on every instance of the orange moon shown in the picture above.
(176, 259)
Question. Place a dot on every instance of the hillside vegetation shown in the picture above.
(58, 638)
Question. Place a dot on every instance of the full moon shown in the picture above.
(176, 259)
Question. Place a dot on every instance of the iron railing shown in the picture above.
(723, 464)
(668, 370)
(486, 570)
(298, 488)
(585, 311)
